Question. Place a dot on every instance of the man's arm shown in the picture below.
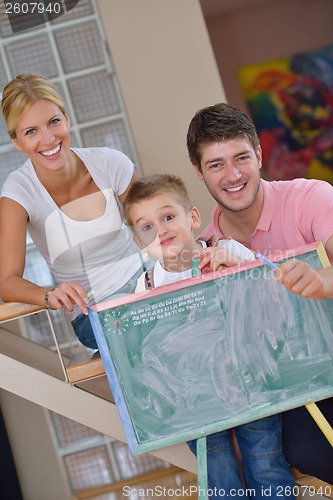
(299, 278)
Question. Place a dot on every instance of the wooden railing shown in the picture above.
(171, 478)
(81, 367)
(15, 310)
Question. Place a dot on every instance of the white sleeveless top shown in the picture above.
(100, 254)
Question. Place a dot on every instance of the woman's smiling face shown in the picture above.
(43, 134)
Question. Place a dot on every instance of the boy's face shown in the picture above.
(164, 229)
(231, 172)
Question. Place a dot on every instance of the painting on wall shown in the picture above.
(291, 102)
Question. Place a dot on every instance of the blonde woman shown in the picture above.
(68, 200)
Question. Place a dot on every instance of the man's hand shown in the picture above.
(299, 278)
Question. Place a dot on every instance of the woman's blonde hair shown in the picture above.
(23, 91)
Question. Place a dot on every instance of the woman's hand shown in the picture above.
(66, 295)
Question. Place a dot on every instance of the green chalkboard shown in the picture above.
(213, 352)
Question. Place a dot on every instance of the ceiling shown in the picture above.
(215, 7)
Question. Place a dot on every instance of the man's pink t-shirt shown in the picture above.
(294, 213)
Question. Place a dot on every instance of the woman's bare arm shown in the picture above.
(13, 225)
(13, 287)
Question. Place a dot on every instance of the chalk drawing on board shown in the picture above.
(215, 351)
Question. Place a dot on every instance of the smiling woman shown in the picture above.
(68, 200)
(43, 133)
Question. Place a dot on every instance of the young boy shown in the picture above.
(163, 221)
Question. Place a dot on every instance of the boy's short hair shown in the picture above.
(150, 186)
(219, 123)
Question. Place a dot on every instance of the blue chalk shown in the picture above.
(266, 261)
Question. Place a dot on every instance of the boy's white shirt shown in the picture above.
(163, 277)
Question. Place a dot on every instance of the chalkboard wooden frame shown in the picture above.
(238, 347)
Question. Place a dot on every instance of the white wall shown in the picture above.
(167, 71)
(38, 466)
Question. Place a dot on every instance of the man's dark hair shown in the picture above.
(219, 123)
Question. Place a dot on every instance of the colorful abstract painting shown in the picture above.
(291, 102)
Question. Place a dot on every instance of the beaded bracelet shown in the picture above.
(46, 299)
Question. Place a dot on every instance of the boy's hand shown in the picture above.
(215, 258)
(213, 241)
